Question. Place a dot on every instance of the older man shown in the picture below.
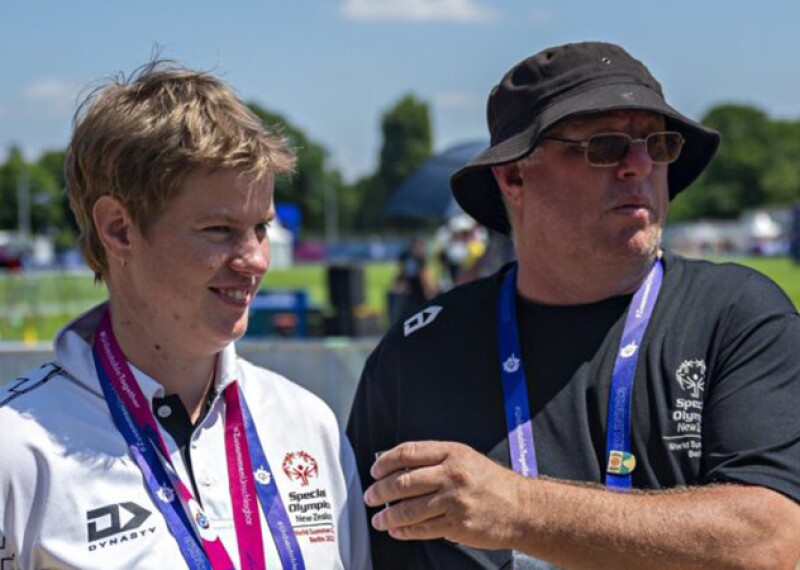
(644, 403)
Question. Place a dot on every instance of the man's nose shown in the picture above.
(637, 162)
(252, 255)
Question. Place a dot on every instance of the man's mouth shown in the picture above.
(239, 297)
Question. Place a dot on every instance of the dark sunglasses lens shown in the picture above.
(664, 148)
(607, 149)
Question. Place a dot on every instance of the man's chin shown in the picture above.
(643, 243)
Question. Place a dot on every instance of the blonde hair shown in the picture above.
(139, 138)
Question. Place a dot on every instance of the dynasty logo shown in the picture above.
(115, 524)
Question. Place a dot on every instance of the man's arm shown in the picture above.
(449, 490)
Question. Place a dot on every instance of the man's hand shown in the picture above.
(445, 490)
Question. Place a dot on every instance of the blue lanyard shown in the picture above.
(620, 462)
(155, 475)
(138, 428)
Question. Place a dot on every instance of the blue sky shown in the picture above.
(333, 66)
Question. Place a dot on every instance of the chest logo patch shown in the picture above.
(300, 466)
(691, 376)
(420, 320)
(687, 415)
(114, 524)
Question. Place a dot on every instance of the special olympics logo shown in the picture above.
(300, 466)
(691, 375)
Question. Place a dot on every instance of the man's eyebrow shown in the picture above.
(216, 217)
(225, 217)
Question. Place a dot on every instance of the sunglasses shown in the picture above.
(609, 149)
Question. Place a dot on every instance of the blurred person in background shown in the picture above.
(147, 443)
(602, 403)
(463, 247)
(414, 283)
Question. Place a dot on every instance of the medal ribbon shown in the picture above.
(198, 542)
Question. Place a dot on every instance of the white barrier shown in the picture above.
(330, 367)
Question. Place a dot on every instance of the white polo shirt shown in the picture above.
(72, 497)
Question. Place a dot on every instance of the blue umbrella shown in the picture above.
(426, 193)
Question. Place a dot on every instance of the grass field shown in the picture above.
(34, 306)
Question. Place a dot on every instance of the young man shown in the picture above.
(644, 402)
(147, 443)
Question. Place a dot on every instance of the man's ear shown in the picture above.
(509, 179)
(114, 226)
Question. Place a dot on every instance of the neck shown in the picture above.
(188, 376)
(558, 282)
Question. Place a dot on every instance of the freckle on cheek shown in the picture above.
(157, 347)
(176, 316)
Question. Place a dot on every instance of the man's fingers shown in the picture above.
(409, 512)
(410, 455)
(428, 530)
(403, 484)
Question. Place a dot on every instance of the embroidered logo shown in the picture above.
(262, 476)
(511, 364)
(691, 375)
(300, 466)
(420, 320)
(165, 494)
(628, 350)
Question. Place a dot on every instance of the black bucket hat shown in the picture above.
(561, 82)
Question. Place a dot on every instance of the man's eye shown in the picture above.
(217, 229)
(261, 229)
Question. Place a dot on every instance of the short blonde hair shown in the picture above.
(139, 138)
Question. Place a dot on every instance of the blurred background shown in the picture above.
(382, 100)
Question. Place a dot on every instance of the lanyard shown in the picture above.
(620, 462)
(199, 543)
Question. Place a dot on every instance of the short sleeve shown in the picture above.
(751, 421)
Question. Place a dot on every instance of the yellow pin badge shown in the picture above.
(621, 463)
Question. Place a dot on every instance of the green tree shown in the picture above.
(65, 227)
(43, 193)
(758, 164)
(407, 143)
(780, 179)
(312, 177)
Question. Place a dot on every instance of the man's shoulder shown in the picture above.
(266, 387)
(35, 412)
(460, 321)
(31, 389)
(450, 313)
(726, 284)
